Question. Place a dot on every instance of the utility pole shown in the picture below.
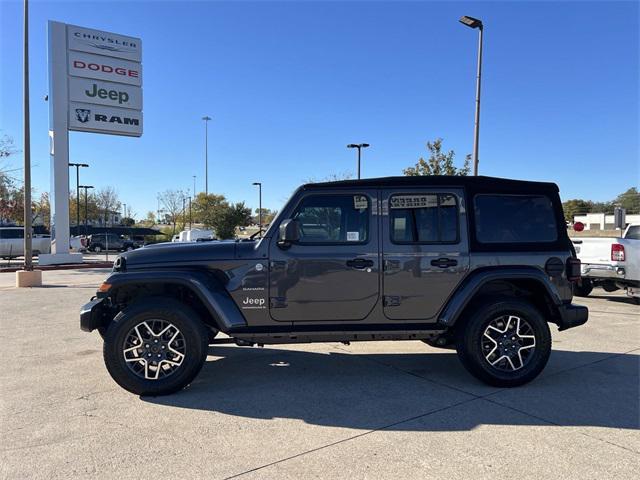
(206, 154)
(78, 165)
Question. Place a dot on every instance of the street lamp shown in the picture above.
(206, 154)
(359, 146)
(259, 185)
(475, 23)
(78, 165)
(194, 186)
(86, 223)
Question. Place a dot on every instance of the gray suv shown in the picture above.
(479, 264)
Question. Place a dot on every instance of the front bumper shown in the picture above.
(572, 316)
(93, 315)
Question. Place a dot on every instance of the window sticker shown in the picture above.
(413, 201)
(353, 236)
(360, 202)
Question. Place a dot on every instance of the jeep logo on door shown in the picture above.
(103, 119)
(82, 115)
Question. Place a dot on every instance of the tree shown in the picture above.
(127, 222)
(215, 212)
(171, 201)
(107, 201)
(149, 220)
(232, 216)
(575, 207)
(629, 200)
(438, 163)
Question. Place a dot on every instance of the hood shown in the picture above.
(180, 252)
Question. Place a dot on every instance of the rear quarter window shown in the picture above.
(514, 219)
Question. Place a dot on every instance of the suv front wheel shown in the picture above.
(155, 346)
(505, 343)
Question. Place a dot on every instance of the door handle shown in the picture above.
(359, 263)
(444, 262)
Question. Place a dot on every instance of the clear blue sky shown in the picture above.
(290, 84)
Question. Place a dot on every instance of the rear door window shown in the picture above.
(424, 218)
(515, 219)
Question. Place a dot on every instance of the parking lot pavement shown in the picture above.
(366, 410)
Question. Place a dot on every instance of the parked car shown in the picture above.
(479, 264)
(99, 242)
(610, 263)
(12, 243)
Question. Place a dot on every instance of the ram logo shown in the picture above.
(82, 115)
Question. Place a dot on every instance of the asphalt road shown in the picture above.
(368, 410)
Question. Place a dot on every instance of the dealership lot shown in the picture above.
(375, 410)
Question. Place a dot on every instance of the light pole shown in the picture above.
(125, 210)
(359, 146)
(475, 23)
(194, 186)
(28, 260)
(206, 154)
(78, 165)
(259, 184)
(86, 196)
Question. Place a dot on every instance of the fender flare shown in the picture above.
(474, 282)
(205, 286)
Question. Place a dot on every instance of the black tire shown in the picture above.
(184, 318)
(583, 288)
(470, 343)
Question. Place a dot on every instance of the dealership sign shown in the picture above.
(89, 90)
(104, 43)
(102, 75)
(95, 86)
(97, 118)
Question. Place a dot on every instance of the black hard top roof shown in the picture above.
(479, 183)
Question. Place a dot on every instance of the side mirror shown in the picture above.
(289, 232)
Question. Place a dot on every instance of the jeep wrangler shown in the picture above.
(478, 264)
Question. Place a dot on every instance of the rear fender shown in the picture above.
(466, 292)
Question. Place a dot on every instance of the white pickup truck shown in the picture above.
(610, 263)
(12, 243)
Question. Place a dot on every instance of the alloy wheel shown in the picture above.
(154, 349)
(508, 343)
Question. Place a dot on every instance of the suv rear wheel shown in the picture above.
(156, 346)
(505, 343)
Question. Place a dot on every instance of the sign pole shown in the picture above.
(59, 148)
